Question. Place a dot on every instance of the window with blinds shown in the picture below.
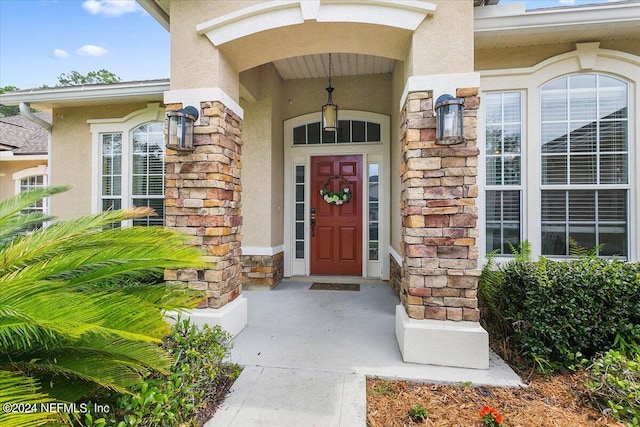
(503, 157)
(147, 171)
(140, 180)
(584, 164)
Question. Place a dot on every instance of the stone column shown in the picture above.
(439, 215)
(202, 199)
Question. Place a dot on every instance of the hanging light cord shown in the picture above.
(329, 70)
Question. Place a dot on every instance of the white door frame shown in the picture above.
(372, 153)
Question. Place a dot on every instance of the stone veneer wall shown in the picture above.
(262, 270)
(202, 199)
(439, 213)
(395, 276)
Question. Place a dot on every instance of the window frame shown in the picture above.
(41, 170)
(124, 126)
(596, 187)
(586, 58)
(504, 187)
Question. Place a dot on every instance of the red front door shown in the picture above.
(336, 237)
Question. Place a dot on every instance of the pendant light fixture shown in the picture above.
(329, 110)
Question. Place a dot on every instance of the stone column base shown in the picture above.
(231, 317)
(442, 342)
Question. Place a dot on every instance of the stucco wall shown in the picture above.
(365, 93)
(262, 163)
(7, 169)
(443, 43)
(396, 156)
(71, 155)
(495, 59)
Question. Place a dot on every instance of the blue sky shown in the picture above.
(41, 39)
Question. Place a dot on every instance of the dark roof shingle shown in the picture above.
(26, 136)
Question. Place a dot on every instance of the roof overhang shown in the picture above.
(68, 96)
(511, 25)
(8, 156)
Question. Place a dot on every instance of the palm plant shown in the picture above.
(77, 312)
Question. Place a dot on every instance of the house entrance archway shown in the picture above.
(347, 239)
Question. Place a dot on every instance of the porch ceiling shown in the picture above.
(342, 64)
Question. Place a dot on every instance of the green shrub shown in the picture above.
(418, 413)
(559, 309)
(613, 382)
(187, 396)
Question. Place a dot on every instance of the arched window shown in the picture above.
(584, 164)
(30, 179)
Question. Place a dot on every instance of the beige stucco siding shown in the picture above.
(8, 168)
(195, 62)
(262, 163)
(71, 161)
(396, 157)
(443, 43)
(519, 57)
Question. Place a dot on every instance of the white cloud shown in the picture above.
(567, 1)
(91, 50)
(59, 53)
(109, 7)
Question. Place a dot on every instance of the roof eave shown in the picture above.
(52, 97)
(500, 20)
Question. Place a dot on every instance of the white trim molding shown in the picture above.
(34, 171)
(194, 97)
(262, 251)
(8, 156)
(396, 256)
(406, 15)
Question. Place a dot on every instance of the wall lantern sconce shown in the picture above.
(180, 128)
(450, 120)
(329, 110)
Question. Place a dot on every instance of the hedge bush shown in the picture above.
(613, 382)
(558, 310)
(187, 396)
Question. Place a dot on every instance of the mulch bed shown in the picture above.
(555, 401)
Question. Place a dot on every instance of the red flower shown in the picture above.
(490, 416)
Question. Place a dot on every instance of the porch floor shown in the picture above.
(306, 354)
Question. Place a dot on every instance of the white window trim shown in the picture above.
(124, 126)
(623, 66)
(482, 173)
(40, 170)
(29, 172)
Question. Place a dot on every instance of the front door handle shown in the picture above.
(313, 222)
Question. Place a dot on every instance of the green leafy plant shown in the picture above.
(77, 312)
(558, 309)
(613, 382)
(418, 413)
(384, 389)
(188, 394)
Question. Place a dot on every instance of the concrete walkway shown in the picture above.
(306, 354)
